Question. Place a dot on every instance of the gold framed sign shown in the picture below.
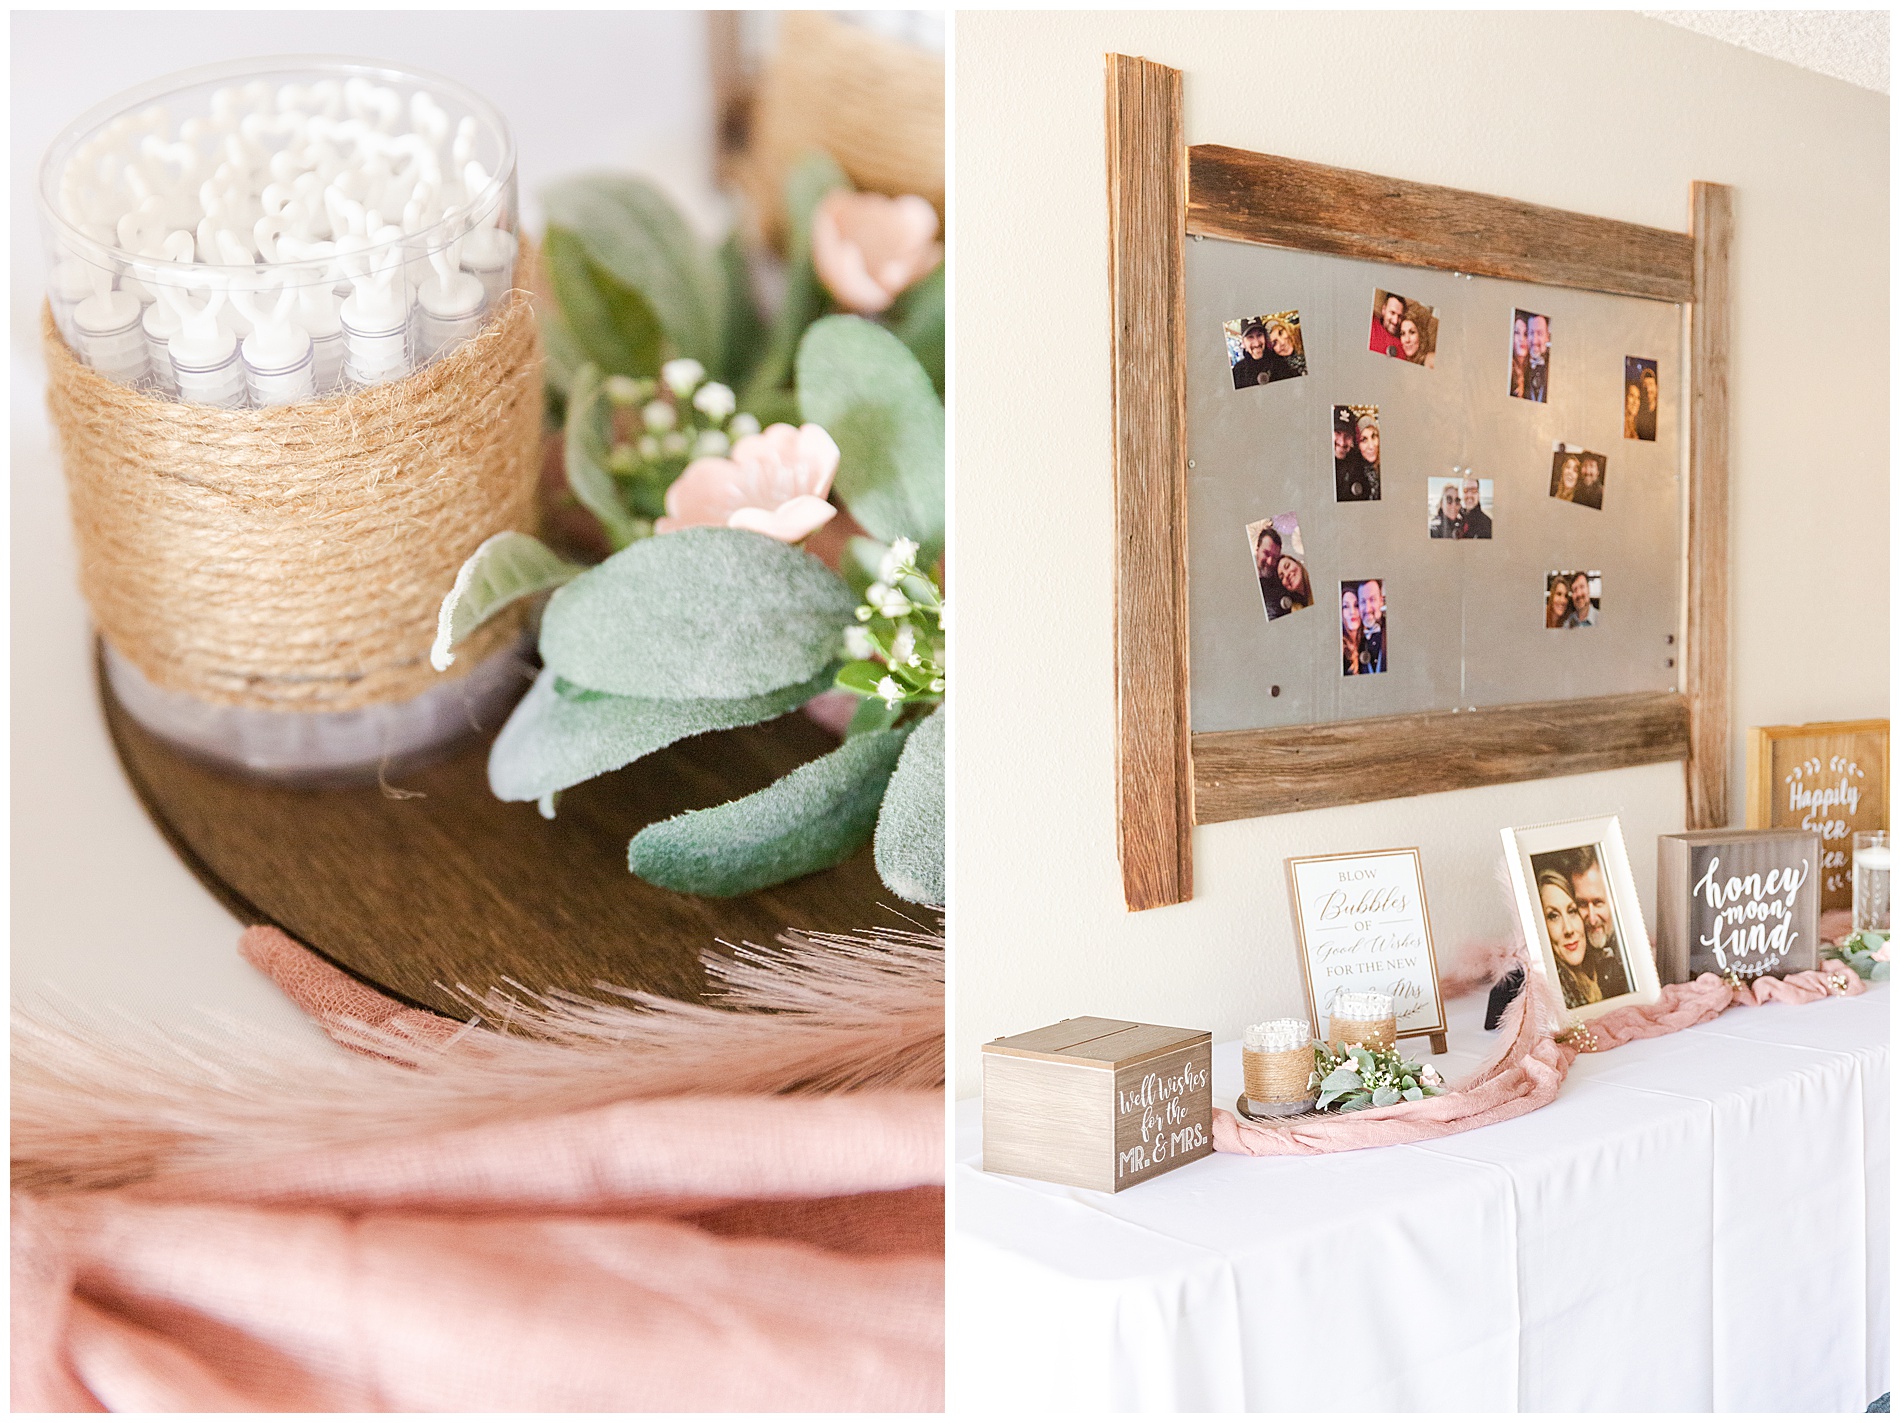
(1363, 927)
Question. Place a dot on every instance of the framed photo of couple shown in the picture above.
(1583, 923)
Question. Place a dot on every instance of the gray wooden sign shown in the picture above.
(1741, 902)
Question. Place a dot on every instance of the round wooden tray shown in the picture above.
(441, 885)
(1241, 1111)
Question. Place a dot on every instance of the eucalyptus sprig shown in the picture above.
(1358, 1077)
(1864, 951)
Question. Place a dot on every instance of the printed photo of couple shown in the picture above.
(1580, 919)
(1530, 356)
(1572, 600)
(1577, 476)
(1362, 626)
(1460, 507)
(1404, 328)
(1279, 560)
(1263, 349)
(1355, 453)
(1639, 398)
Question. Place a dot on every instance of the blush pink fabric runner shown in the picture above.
(1530, 1069)
(763, 1252)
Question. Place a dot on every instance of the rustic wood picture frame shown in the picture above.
(1169, 779)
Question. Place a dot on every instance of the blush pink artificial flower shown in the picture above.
(773, 483)
(868, 248)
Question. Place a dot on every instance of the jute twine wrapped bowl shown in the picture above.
(1278, 1078)
(294, 559)
(1380, 1033)
(874, 104)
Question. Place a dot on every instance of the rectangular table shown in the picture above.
(1698, 1222)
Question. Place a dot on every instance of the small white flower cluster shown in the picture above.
(683, 416)
(1356, 1077)
(890, 631)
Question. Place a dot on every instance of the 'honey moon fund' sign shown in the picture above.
(1363, 928)
(1737, 902)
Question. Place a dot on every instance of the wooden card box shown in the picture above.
(1724, 903)
(1097, 1102)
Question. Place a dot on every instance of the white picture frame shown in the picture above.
(1363, 925)
(1591, 860)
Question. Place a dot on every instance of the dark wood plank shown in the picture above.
(1257, 197)
(420, 894)
(1147, 184)
(1239, 774)
(1705, 653)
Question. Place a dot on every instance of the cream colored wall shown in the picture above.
(1601, 113)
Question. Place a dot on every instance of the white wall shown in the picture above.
(1601, 113)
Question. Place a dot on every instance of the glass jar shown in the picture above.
(267, 232)
(352, 213)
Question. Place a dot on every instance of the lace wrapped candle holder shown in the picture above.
(1362, 1020)
(1276, 1062)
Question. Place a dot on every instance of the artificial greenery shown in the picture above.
(1355, 1078)
(810, 819)
(658, 355)
(705, 612)
(909, 843)
(1858, 952)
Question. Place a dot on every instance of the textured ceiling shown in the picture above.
(1854, 45)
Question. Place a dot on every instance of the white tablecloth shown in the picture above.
(1698, 1222)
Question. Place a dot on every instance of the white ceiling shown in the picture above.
(1854, 45)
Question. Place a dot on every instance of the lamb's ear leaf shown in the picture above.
(909, 843)
(585, 454)
(560, 736)
(865, 387)
(744, 336)
(633, 236)
(809, 820)
(503, 569)
(602, 319)
(705, 612)
(806, 183)
(917, 316)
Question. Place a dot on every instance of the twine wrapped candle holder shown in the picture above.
(1362, 1020)
(1276, 1059)
(265, 550)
